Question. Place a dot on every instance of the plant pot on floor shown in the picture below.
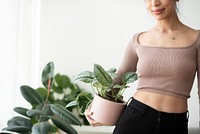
(105, 111)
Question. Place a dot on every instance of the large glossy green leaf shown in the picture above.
(20, 121)
(65, 114)
(18, 129)
(31, 95)
(63, 125)
(85, 76)
(21, 110)
(45, 111)
(41, 128)
(34, 112)
(48, 74)
(102, 76)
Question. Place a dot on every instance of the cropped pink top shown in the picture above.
(164, 70)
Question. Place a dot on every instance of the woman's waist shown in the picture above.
(140, 108)
(160, 102)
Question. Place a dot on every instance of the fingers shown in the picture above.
(88, 115)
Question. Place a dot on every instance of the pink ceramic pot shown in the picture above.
(105, 111)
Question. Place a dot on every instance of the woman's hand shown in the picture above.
(88, 114)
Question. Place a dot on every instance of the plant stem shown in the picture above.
(49, 89)
(46, 101)
(88, 98)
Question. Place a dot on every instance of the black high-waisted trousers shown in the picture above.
(138, 118)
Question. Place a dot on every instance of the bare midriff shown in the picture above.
(162, 102)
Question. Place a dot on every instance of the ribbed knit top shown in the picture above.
(164, 70)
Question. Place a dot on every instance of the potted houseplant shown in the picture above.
(108, 94)
(44, 117)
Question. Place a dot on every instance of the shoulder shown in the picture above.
(134, 39)
(189, 37)
(198, 38)
(137, 37)
(134, 42)
(195, 36)
(190, 32)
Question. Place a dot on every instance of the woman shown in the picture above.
(166, 58)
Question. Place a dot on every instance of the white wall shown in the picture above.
(8, 54)
(76, 34)
(18, 53)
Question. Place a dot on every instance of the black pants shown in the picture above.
(138, 118)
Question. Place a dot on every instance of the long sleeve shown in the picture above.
(198, 73)
(129, 62)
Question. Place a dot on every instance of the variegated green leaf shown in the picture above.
(71, 104)
(85, 76)
(112, 72)
(129, 77)
(102, 76)
(34, 112)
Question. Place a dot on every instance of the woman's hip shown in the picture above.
(139, 118)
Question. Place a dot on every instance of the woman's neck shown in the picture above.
(168, 26)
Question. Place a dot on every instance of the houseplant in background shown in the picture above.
(108, 94)
(44, 117)
(64, 91)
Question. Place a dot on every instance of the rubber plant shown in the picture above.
(102, 83)
(44, 117)
(63, 91)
